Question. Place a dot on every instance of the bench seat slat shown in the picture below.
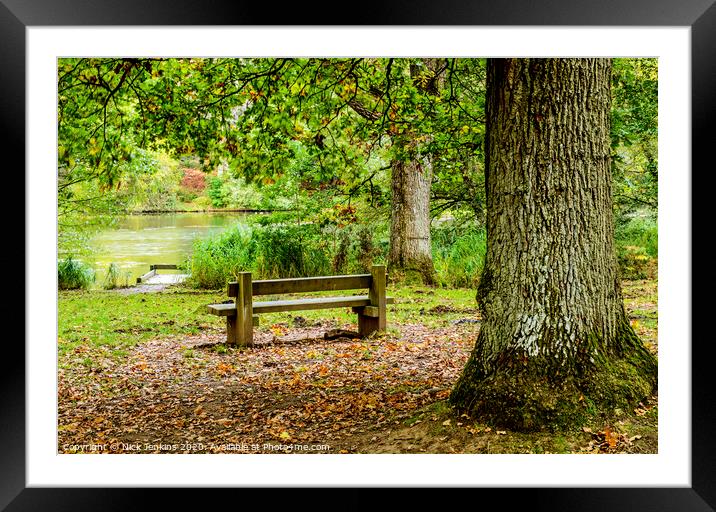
(353, 301)
(357, 301)
(306, 304)
(222, 309)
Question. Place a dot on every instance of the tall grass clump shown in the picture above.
(355, 247)
(458, 254)
(74, 275)
(217, 260)
(286, 250)
(637, 244)
(281, 250)
(116, 278)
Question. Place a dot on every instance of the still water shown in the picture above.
(142, 240)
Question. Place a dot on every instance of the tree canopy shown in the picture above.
(510, 146)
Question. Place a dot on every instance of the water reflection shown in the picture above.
(142, 240)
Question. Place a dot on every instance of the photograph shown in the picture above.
(357, 255)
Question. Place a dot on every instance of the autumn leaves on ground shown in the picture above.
(150, 373)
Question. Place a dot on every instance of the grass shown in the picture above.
(73, 274)
(112, 322)
(459, 255)
(266, 251)
(117, 322)
(288, 250)
(637, 245)
(116, 278)
(281, 250)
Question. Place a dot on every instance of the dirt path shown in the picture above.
(154, 284)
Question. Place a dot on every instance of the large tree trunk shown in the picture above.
(555, 344)
(411, 180)
(410, 247)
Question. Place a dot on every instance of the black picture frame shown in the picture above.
(700, 15)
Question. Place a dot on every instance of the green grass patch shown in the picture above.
(98, 318)
(116, 322)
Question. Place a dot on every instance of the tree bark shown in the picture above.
(410, 246)
(411, 180)
(555, 344)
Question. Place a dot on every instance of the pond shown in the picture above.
(138, 241)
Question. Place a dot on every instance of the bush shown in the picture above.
(73, 274)
(193, 181)
(640, 232)
(231, 192)
(215, 193)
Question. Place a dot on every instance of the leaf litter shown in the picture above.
(196, 395)
(296, 391)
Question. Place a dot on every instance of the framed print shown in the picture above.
(677, 476)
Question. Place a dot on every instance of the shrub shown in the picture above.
(633, 262)
(215, 193)
(193, 181)
(73, 274)
(640, 232)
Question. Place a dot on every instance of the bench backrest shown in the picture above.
(305, 284)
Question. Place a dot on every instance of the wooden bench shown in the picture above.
(242, 314)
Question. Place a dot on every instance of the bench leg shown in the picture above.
(367, 325)
(230, 330)
(243, 329)
(370, 324)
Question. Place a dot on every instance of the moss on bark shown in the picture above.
(531, 393)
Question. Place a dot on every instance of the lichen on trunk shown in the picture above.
(555, 343)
